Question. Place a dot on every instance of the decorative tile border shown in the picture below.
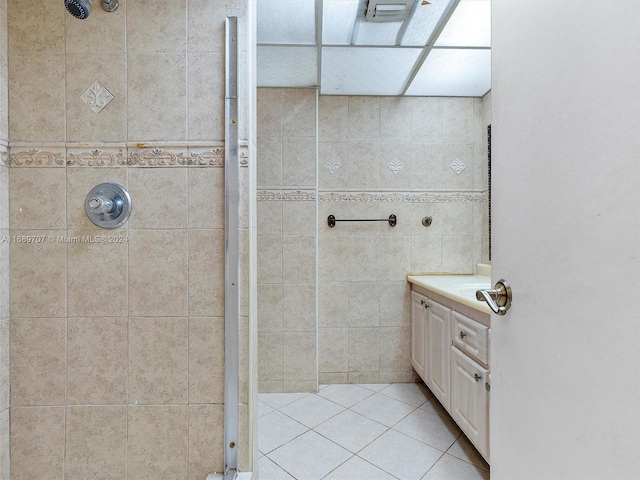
(145, 155)
(286, 195)
(439, 196)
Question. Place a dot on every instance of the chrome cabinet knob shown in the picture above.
(477, 377)
(462, 335)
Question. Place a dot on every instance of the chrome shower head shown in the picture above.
(78, 8)
(82, 8)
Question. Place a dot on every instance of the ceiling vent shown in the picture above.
(388, 10)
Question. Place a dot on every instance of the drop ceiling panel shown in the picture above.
(338, 19)
(286, 21)
(453, 73)
(424, 21)
(366, 71)
(469, 26)
(287, 66)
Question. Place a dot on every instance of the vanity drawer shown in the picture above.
(470, 336)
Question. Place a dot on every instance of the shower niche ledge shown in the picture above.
(450, 340)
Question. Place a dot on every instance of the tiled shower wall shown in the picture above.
(287, 240)
(412, 157)
(4, 250)
(117, 336)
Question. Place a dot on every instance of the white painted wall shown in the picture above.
(566, 234)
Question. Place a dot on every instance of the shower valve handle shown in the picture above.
(102, 204)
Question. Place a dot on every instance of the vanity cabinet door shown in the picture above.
(438, 351)
(470, 399)
(418, 333)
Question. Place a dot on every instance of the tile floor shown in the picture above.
(363, 432)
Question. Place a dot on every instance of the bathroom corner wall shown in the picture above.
(117, 336)
(5, 459)
(287, 193)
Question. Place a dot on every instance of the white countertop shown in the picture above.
(460, 288)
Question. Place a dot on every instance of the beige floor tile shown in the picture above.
(358, 469)
(277, 429)
(351, 430)
(415, 394)
(383, 409)
(312, 410)
(451, 468)
(345, 395)
(439, 432)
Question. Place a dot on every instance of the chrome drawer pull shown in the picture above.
(477, 377)
(462, 335)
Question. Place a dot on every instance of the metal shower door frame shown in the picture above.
(232, 255)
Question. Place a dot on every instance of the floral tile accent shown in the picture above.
(333, 165)
(96, 97)
(458, 166)
(395, 166)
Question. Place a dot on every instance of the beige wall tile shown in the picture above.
(158, 273)
(333, 165)
(299, 161)
(395, 348)
(451, 153)
(457, 218)
(206, 197)
(308, 386)
(363, 258)
(364, 377)
(270, 217)
(96, 443)
(271, 386)
(333, 355)
(364, 165)
(270, 161)
(5, 273)
(395, 258)
(38, 360)
(333, 304)
(426, 169)
(270, 359)
(399, 377)
(97, 273)
(364, 350)
(5, 445)
(158, 360)
(206, 360)
(80, 181)
(4, 190)
(206, 25)
(157, 442)
(206, 432)
(394, 304)
(37, 442)
(299, 218)
(160, 196)
(97, 350)
(157, 113)
(299, 308)
(101, 32)
(206, 272)
(37, 79)
(269, 112)
(396, 165)
(270, 308)
(457, 120)
(333, 119)
(25, 24)
(38, 197)
(457, 254)
(298, 265)
(426, 119)
(82, 70)
(426, 254)
(326, 378)
(334, 258)
(299, 112)
(269, 259)
(4, 363)
(156, 26)
(299, 349)
(364, 304)
(395, 119)
(206, 99)
(38, 271)
(364, 119)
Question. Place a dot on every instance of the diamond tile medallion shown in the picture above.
(96, 97)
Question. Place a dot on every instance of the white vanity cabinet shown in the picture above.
(450, 352)
(470, 384)
(430, 344)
